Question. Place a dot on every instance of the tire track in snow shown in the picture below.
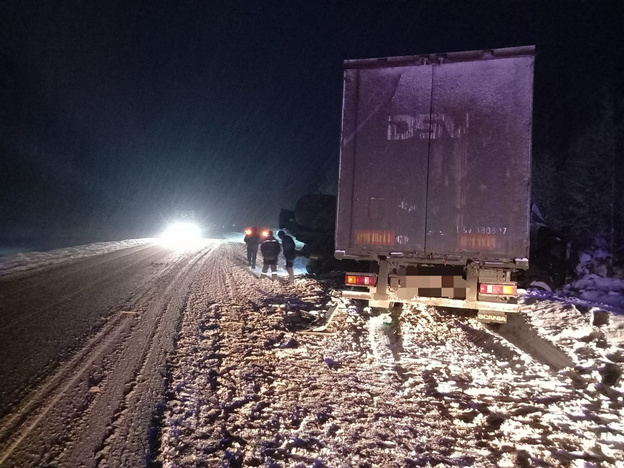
(88, 298)
(519, 333)
(23, 422)
(217, 330)
(39, 287)
(129, 427)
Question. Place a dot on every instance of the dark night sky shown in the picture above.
(116, 115)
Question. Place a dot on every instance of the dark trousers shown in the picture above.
(269, 263)
(251, 256)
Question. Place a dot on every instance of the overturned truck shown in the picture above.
(434, 184)
(312, 223)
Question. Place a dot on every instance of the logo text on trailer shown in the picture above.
(427, 126)
(374, 237)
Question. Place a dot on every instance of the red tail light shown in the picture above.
(248, 232)
(360, 279)
(498, 289)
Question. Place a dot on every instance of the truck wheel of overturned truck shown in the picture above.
(321, 265)
(313, 267)
(538, 279)
(541, 285)
(543, 282)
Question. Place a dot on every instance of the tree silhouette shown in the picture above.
(593, 179)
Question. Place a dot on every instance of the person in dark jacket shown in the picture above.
(270, 249)
(288, 249)
(252, 239)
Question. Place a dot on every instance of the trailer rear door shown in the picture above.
(435, 156)
(387, 183)
(479, 159)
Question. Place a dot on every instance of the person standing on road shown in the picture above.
(270, 249)
(252, 239)
(288, 249)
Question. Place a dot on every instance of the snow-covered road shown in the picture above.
(85, 344)
(212, 366)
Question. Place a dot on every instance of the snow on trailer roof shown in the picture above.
(465, 56)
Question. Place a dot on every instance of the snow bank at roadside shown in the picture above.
(598, 282)
(598, 289)
(30, 260)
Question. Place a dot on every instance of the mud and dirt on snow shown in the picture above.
(260, 377)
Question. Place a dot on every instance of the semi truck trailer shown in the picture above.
(434, 180)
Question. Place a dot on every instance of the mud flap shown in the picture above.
(491, 316)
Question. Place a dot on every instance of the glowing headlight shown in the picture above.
(181, 235)
(182, 230)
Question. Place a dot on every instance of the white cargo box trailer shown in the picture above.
(434, 182)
